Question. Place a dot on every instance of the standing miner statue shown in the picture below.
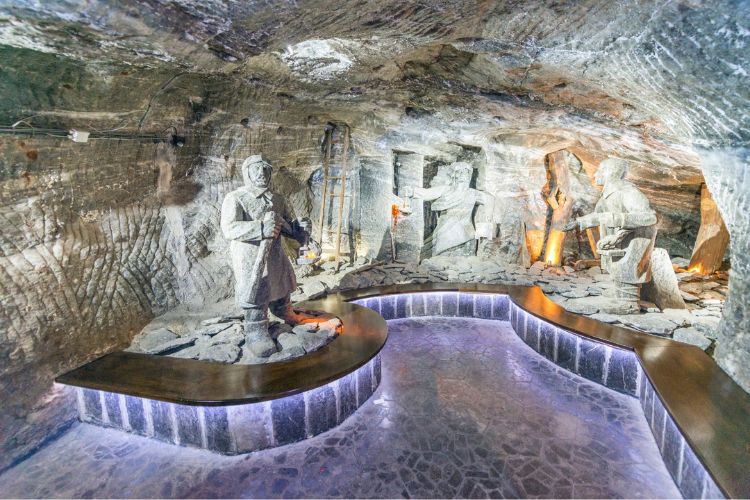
(253, 219)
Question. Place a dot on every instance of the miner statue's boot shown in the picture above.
(257, 339)
(283, 309)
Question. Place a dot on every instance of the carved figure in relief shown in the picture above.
(253, 218)
(457, 232)
(627, 225)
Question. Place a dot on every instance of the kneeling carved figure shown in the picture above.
(627, 226)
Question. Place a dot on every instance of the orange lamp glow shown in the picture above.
(534, 242)
(553, 253)
(394, 213)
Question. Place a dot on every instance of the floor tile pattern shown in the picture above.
(465, 408)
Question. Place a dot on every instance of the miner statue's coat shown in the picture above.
(253, 218)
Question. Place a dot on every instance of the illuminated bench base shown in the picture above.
(239, 428)
(618, 369)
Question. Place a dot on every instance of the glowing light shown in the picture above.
(553, 253)
(310, 255)
(235, 416)
(698, 268)
(534, 242)
(394, 214)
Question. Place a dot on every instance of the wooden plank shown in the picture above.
(326, 163)
(188, 381)
(342, 191)
(713, 237)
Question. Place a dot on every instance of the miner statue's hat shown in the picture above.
(252, 160)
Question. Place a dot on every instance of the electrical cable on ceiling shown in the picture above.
(32, 131)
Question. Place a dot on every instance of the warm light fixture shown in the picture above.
(534, 242)
(553, 252)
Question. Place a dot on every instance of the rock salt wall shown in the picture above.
(728, 178)
(137, 228)
(97, 239)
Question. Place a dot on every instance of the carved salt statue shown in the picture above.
(454, 200)
(253, 218)
(627, 226)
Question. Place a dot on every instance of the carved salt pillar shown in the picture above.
(408, 170)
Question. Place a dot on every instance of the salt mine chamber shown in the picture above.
(373, 242)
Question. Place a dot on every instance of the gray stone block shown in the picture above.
(673, 443)
(217, 429)
(659, 420)
(433, 304)
(162, 421)
(693, 475)
(374, 304)
(403, 308)
(388, 307)
(377, 370)
(622, 373)
(288, 419)
(547, 340)
(364, 384)
(567, 349)
(321, 410)
(647, 403)
(112, 403)
(643, 381)
(312, 341)
(530, 330)
(136, 415)
(418, 304)
(521, 329)
(347, 396)
(501, 307)
(466, 305)
(92, 406)
(450, 304)
(188, 425)
(250, 426)
(483, 306)
(591, 360)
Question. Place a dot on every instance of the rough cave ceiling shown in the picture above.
(669, 71)
(646, 81)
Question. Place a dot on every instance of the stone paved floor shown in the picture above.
(465, 409)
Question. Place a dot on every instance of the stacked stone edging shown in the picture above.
(237, 428)
(617, 369)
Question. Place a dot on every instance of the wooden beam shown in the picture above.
(713, 237)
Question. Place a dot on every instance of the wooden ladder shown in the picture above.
(341, 194)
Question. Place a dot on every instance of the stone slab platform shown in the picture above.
(236, 408)
(699, 416)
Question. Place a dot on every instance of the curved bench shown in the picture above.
(700, 418)
(236, 408)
